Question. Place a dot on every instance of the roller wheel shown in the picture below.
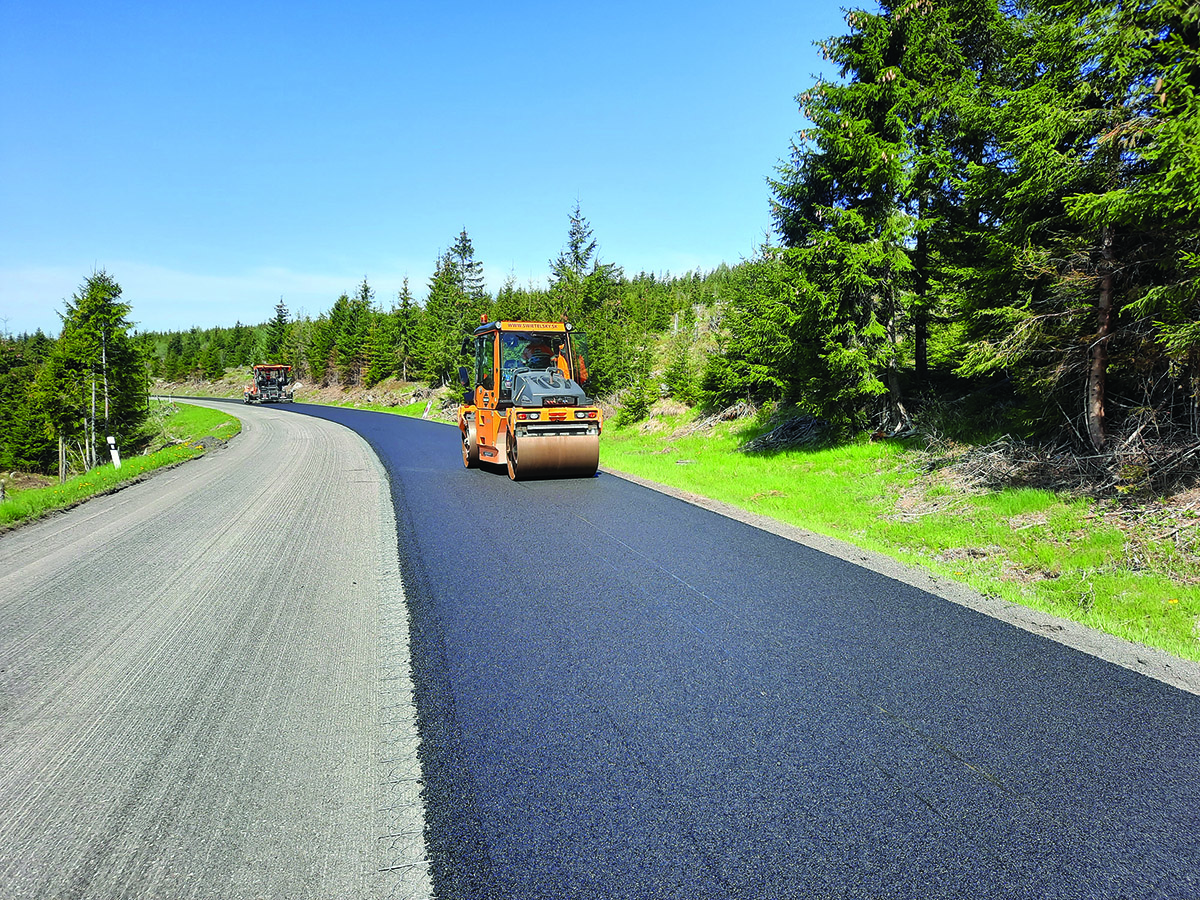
(470, 446)
(513, 471)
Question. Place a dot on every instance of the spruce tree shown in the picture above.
(275, 335)
(406, 314)
(586, 291)
(839, 208)
(320, 354)
(453, 306)
(354, 324)
(470, 270)
(870, 205)
(1072, 125)
(25, 440)
(1160, 204)
(444, 321)
(94, 381)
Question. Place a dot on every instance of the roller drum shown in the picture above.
(553, 456)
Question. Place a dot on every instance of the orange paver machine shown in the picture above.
(527, 409)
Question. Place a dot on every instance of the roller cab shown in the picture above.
(526, 408)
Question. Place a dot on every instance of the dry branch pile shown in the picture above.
(1138, 463)
(798, 431)
(743, 409)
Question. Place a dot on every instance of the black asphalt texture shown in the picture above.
(624, 696)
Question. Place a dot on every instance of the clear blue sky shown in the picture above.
(215, 157)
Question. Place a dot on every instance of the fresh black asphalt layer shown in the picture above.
(624, 696)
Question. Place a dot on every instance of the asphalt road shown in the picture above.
(621, 695)
(204, 683)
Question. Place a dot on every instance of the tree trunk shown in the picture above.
(1098, 368)
(921, 314)
(1195, 401)
(895, 395)
(921, 333)
(896, 398)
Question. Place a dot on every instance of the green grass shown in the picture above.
(185, 426)
(1032, 547)
(183, 422)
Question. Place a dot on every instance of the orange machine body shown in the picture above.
(525, 407)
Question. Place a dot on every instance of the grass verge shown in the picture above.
(181, 431)
(1130, 576)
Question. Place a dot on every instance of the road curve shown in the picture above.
(204, 683)
(622, 695)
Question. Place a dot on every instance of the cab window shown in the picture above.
(485, 362)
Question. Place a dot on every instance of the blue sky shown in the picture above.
(215, 157)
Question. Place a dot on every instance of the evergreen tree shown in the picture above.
(241, 346)
(321, 346)
(193, 344)
(26, 442)
(522, 304)
(444, 322)
(407, 315)
(680, 375)
(453, 306)
(579, 282)
(294, 351)
(840, 208)
(354, 327)
(1070, 124)
(1161, 204)
(381, 348)
(641, 394)
(587, 292)
(762, 339)
(275, 334)
(212, 364)
(470, 270)
(870, 205)
(94, 382)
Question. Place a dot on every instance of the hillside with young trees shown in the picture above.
(992, 212)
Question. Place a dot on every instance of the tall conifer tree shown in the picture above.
(94, 381)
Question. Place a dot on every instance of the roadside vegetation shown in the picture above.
(180, 432)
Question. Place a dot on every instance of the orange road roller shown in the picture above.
(527, 409)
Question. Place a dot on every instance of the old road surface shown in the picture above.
(619, 695)
(204, 684)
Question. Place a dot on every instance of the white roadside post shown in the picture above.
(116, 455)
